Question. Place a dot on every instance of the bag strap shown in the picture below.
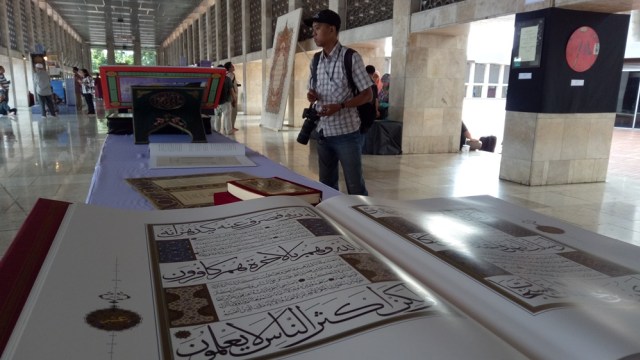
(348, 65)
(314, 68)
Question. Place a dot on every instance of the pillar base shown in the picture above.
(553, 149)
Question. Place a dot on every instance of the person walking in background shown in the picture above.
(97, 82)
(4, 84)
(339, 141)
(234, 93)
(371, 70)
(87, 91)
(42, 83)
(77, 82)
(222, 118)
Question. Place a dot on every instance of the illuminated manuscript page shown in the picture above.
(184, 191)
(302, 289)
(523, 275)
(273, 282)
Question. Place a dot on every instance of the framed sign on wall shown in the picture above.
(527, 43)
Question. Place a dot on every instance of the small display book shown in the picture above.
(192, 155)
(248, 189)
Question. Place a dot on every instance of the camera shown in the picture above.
(311, 118)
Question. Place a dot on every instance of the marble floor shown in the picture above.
(55, 158)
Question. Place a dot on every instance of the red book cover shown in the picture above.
(21, 263)
(224, 197)
(247, 189)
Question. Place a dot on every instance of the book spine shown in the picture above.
(21, 263)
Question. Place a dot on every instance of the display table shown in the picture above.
(540, 288)
(122, 159)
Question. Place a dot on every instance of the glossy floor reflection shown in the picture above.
(55, 158)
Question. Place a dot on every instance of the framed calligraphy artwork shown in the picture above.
(284, 49)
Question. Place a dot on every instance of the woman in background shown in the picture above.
(383, 96)
(87, 90)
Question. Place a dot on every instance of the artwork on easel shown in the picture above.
(160, 108)
(284, 49)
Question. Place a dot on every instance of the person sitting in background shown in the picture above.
(467, 139)
(383, 96)
(485, 143)
(4, 105)
(376, 80)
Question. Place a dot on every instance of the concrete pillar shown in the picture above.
(548, 149)
(137, 52)
(428, 92)
(218, 34)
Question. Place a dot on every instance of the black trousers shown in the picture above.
(49, 100)
(89, 99)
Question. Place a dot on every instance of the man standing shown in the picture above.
(222, 118)
(339, 139)
(4, 84)
(77, 82)
(234, 93)
(43, 88)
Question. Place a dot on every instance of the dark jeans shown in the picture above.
(347, 150)
(5, 109)
(49, 100)
(89, 99)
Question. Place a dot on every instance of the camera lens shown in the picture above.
(305, 132)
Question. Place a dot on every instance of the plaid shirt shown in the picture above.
(332, 87)
(4, 82)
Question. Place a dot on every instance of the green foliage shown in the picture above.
(122, 57)
(98, 58)
(149, 58)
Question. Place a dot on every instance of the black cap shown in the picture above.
(325, 16)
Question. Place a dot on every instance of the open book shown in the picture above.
(354, 277)
(248, 189)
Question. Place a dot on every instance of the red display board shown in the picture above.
(118, 79)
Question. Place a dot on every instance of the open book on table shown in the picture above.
(353, 277)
